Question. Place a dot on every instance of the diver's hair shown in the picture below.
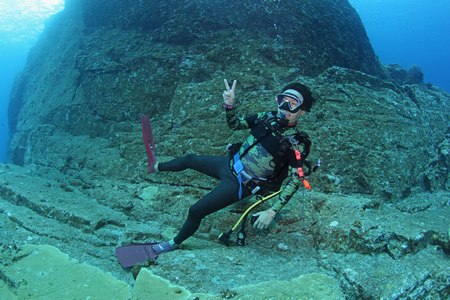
(306, 93)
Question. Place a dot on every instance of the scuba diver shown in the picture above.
(270, 159)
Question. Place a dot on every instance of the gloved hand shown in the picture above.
(228, 96)
(264, 218)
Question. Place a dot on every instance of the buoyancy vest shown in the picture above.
(270, 131)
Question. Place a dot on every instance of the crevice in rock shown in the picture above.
(364, 242)
(350, 286)
(180, 185)
(419, 290)
(104, 222)
(46, 212)
(12, 285)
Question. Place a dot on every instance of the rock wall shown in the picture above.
(100, 64)
(83, 185)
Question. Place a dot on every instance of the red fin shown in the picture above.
(131, 255)
(149, 142)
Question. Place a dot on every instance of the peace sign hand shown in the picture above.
(228, 96)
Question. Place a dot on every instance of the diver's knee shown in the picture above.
(189, 158)
(195, 213)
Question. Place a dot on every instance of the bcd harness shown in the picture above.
(263, 129)
(288, 142)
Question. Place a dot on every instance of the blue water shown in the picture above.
(12, 61)
(405, 32)
(410, 32)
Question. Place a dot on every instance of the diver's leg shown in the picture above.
(225, 194)
(206, 164)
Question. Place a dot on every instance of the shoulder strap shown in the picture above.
(269, 117)
(293, 141)
(302, 138)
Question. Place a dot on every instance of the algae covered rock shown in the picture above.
(375, 137)
(44, 272)
(82, 182)
(310, 286)
(312, 35)
(150, 286)
(117, 59)
(375, 133)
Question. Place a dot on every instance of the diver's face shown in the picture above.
(288, 103)
(289, 107)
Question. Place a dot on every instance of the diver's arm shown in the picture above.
(296, 172)
(288, 191)
(266, 217)
(229, 104)
(233, 121)
(229, 97)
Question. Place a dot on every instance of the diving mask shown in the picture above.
(290, 100)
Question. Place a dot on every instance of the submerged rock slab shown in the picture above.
(43, 272)
(57, 201)
(80, 225)
(150, 286)
(370, 227)
(421, 276)
(358, 240)
(310, 286)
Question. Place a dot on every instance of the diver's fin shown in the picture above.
(149, 143)
(134, 254)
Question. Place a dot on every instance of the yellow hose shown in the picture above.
(252, 207)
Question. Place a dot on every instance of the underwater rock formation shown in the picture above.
(94, 76)
(381, 133)
(372, 249)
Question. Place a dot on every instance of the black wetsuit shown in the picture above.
(227, 192)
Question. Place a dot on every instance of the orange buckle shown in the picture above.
(306, 184)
